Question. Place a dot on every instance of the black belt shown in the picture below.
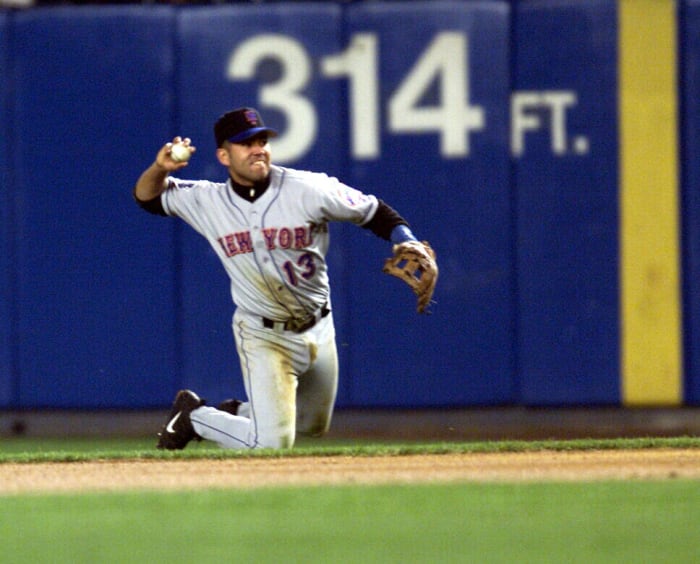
(297, 325)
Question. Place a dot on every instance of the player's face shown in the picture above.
(247, 162)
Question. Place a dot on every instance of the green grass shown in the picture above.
(595, 522)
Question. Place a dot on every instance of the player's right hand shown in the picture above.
(164, 159)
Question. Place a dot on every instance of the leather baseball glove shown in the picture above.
(414, 263)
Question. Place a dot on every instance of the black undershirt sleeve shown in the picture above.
(384, 221)
(154, 206)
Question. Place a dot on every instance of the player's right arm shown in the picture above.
(153, 181)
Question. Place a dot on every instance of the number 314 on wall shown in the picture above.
(444, 61)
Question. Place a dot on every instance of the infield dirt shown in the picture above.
(124, 475)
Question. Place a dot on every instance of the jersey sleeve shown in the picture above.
(185, 199)
(172, 197)
(340, 202)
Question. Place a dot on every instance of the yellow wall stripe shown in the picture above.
(651, 347)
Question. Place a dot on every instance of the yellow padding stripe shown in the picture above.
(651, 347)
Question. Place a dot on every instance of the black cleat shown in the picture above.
(229, 406)
(178, 430)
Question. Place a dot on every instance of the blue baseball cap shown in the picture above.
(240, 124)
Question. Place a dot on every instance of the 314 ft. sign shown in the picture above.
(442, 65)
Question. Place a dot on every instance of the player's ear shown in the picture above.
(222, 155)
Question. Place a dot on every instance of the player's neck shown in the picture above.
(250, 193)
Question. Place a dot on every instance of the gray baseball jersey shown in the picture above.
(274, 248)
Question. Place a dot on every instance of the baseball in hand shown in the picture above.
(180, 153)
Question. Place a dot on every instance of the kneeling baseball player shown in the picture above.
(269, 226)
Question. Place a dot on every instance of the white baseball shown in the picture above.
(180, 153)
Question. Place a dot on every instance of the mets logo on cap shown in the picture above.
(251, 116)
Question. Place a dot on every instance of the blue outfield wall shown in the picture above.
(565, 148)
(451, 181)
(690, 90)
(491, 125)
(95, 289)
(7, 370)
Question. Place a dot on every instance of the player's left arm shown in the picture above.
(413, 261)
(344, 203)
(387, 224)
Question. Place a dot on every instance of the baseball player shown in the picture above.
(269, 226)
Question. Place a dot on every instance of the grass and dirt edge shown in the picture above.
(199, 451)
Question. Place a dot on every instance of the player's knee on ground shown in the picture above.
(279, 440)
